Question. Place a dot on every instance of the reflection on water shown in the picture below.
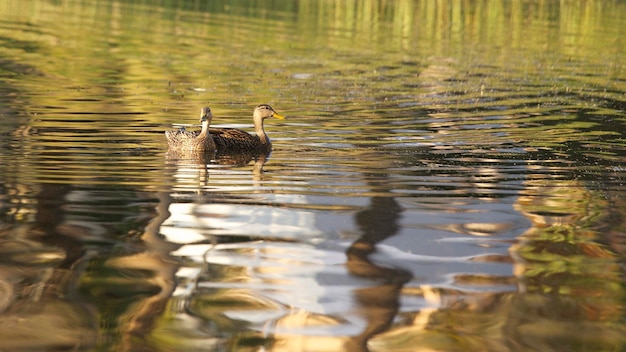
(450, 176)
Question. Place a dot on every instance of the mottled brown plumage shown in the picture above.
(231, 139)
(182, 140)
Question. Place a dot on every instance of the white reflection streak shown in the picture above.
(192, 223)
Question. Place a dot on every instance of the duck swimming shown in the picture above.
(196, 141)
(231, 139)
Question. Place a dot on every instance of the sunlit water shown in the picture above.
(450, 177)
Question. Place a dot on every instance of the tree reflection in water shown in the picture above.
(379, 303)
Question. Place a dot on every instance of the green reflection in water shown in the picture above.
(89, 86)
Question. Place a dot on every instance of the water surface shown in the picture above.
(450, 176)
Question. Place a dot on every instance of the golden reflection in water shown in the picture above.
(139, 319)
(567, 275)
(53, 291)
(198, 45)
(38, 279)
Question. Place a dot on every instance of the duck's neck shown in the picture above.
(205, 128)
(209, 143)
(260, 132)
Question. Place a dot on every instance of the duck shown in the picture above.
(197, 141)
(235, 140)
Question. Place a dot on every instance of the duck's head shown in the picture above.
(205, 114)
(264, 111)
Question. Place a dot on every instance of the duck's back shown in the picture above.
(180, 137)
(234, 139)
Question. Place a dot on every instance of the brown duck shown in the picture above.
(231, 139)
(196, 141)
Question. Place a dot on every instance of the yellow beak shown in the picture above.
(279, 116)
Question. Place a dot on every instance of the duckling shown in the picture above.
(183, 140)
(231, 139)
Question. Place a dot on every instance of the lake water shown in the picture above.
(450, 177)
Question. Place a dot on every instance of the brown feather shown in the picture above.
(183, 140)
(233, 139)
